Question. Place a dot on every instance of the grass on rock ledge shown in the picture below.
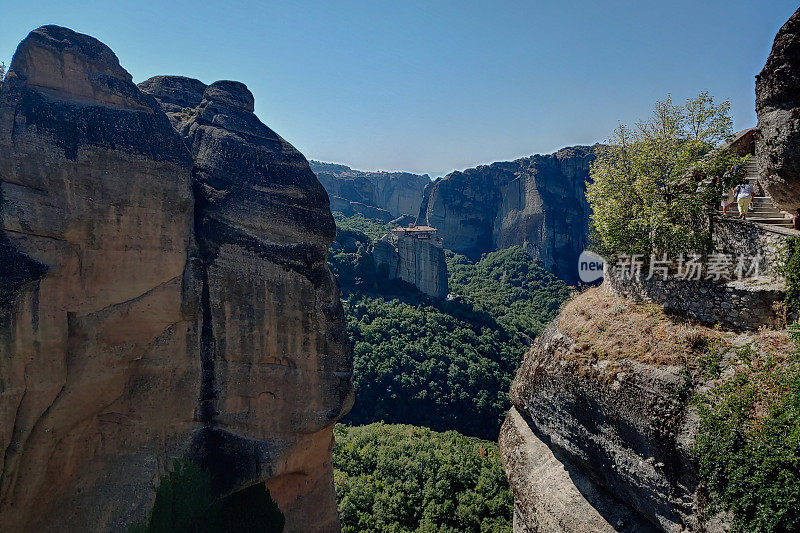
(607, 327)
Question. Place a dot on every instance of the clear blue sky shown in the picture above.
(438, 85)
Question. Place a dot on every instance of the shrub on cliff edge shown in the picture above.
(748, 441)
(644, 185)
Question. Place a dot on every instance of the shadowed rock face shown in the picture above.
(396, 193)
(538, 200)
(778, 109)
(275, 352)
(162, 301)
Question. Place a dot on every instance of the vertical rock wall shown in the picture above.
(398, 193)
(538, 200)
(423, 264)
(98, 339)
(275, 353)
(778, 109)
(419, 262)
(162, 297)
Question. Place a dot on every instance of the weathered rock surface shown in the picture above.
(596, 444)
(419, 262)
(538, 200)
(778, 109)
(178, 96)
(399, 193)
(98, 334)
(275, 353)
(349, 208)
(146, 315)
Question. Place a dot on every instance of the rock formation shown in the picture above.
(273, 322)
(178, 96)
(350, 208)
(399, 193)
(600, 433)
(538, 200)
(158, 301)
(778, 109)
(414, 257)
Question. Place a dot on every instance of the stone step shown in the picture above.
(777, 215)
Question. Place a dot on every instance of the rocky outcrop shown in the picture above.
(98, 333)
(420, 262)
(599, 437)
(538, 200)
(275, 353)
(778, 109)
(399, 193)
(178, 96)
(348, 208)
(157, 302)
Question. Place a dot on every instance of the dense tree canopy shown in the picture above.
(650, 187)
(444, 365)
(408, 479)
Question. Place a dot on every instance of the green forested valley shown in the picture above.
(401, 478)
(440, 366)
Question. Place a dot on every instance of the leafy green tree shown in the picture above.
(409, 479)
(649, 187)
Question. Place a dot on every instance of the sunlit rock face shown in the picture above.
(395, 193)
(98, 331)
(276, 358)
(778, 109)
(162, 297)
(538, 201)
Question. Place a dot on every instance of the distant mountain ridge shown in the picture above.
(357, 191)
(538, 201)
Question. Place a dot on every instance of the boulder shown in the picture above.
(778, 109)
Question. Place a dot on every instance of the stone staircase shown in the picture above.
(762, 208)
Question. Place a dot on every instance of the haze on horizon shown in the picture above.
(430, 87)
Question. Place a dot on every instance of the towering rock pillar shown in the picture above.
(162, 297)
(98, 370)
(778, 109)
(275, 353)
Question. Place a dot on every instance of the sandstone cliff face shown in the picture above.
(350, 208)
(419, 262)
(539, 200)
(599, 436)
(157, 302)
(275, 353)
(399, 193)
(778, 109)
(99, 368)
(178, 96)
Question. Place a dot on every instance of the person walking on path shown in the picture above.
(744, 195)
(737, 173)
